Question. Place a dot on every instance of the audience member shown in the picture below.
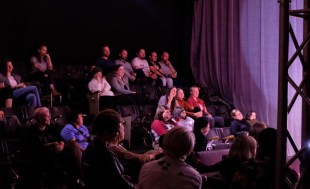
(171, 171)
(165, 66)
(101, 166)
(239, 126)
(167, 82)
(167, 100)
(201, 130)
(251, 118)
(42, 69)
(162, 123)
(76, 134)
(256, 128)
(131, 161)
(199, 105)
(104, 62)
(99, 84)
(122, 89)
(182, 119)
(21, 93)
(129, 72)
(49, 152)
(141, 66)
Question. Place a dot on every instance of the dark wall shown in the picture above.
(75, 30)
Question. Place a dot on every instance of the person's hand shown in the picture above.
(59, 146)
(20, 85)
(198, 114)
(45, 75)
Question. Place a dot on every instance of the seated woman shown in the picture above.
(239, 126)
(42, 69)
(99, 84)
(21, 92)
(167, 100)
(121, 88)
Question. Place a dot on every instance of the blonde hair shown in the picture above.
(179, 142)
(39, 113)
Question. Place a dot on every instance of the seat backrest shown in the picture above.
(212, 156)
(59, 114)
(129, 110)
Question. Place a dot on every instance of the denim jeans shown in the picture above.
(30, 94)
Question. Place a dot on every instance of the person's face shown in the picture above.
(153, 57)
(98, 75)
(238, 115)
(123, 55)
(183, 114)
(106, 51)
(43, 51)
(79, 120)
(195, 92)
(165, 56)
(9, 66)
(46, 118)
(253, 116)
(173, 92)
(180, 94)
(120, 71)
(141, 53)
(205, 130)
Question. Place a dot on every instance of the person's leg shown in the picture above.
(35, 91)
(23, 93)
(169, 82)
(163, 81)
(211, 121)
(31, 100)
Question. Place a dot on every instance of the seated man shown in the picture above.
(239, 126)
(166, 68)
(141, 66)
(199, 105)
(129, 73)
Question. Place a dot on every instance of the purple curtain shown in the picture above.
(234, 50)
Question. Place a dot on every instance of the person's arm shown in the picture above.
(173, 71)
(49, 62)
(93, 86)
(155, 70)
(34, 63)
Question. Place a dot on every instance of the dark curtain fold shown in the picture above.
(234, 50)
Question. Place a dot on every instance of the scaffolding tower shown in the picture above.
(302, 89)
